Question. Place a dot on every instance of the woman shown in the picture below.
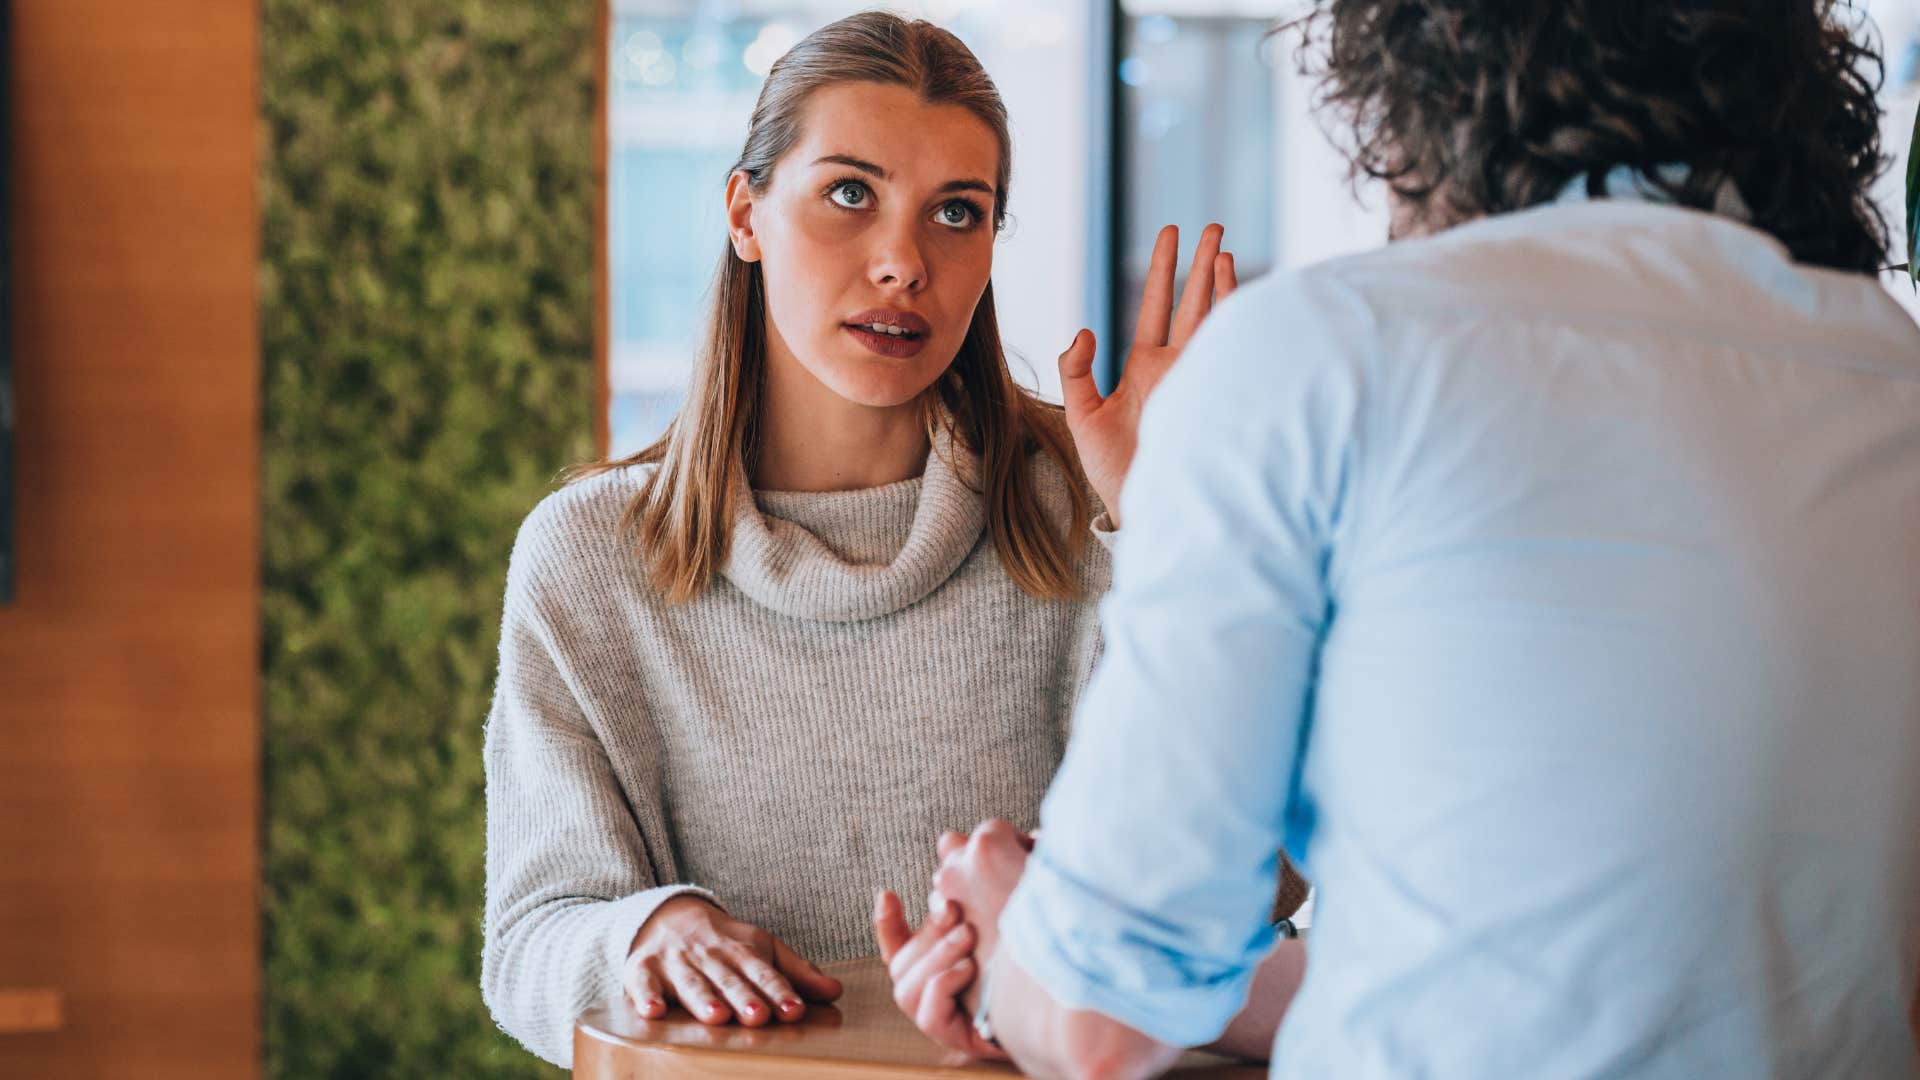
(845, 603)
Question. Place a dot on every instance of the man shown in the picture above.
(1549, 582)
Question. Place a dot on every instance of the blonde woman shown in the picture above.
(848, 600)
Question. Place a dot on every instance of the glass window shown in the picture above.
(1199, 142)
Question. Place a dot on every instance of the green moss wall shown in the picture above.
(427, 312)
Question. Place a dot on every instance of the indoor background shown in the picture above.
(310, 301)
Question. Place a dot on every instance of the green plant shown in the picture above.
(426, 291)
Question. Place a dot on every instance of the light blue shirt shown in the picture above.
(1551, 589)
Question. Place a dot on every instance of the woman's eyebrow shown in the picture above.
(854, 163)
(967, 185)
(871, 169)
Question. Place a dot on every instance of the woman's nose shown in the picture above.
(898, 262)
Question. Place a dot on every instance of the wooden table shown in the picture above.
(862, 1036)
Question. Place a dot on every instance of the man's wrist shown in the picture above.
(974, 996)
(985, 948)
(980, 990)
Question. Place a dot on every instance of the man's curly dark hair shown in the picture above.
(1473, 107)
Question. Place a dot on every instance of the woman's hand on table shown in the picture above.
(1106, 430)
(718, 968)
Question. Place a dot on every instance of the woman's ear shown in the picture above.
(740, 217)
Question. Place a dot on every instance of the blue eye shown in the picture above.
(851, 194)
(959, 214)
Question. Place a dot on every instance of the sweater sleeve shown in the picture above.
(1096, 574)
(568, 878)
(1106, 532)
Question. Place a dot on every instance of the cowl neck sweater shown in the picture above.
(847, 556)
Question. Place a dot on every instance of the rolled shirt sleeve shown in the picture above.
(1147, 900)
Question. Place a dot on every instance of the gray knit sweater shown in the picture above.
(862, 675)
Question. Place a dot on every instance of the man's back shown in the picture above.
(1553, 587)
(1613, 763)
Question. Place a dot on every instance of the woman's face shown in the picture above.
(880, 215)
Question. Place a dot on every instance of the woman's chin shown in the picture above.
(880, 387)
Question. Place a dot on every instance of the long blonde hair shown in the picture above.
(683, 515)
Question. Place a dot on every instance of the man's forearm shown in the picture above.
(1048, 1040)
(1250, 1034)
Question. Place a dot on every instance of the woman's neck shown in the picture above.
(812, 439)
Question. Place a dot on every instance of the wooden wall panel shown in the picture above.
(129, 661)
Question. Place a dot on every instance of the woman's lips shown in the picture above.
(898, 348)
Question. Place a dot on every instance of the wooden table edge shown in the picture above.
(584, 1031)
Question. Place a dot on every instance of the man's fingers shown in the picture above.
(648, 995)
(1197, 298)
(951, 841)
(1224, 280)
(692, 988)
(1156, 303)
(772, 985)
(740, 993)
(813, 984)
(1081, 393)
(994, 829)
(890, 928)
(950, 880)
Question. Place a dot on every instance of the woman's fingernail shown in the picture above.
(789, 1005)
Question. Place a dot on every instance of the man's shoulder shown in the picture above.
(1687, 273)
(1284, 327)
(1408, 278)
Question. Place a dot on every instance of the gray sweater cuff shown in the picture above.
(1105, 531)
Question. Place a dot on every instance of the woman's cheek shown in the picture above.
(971, 245)
(969, 255)
(823, 224)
